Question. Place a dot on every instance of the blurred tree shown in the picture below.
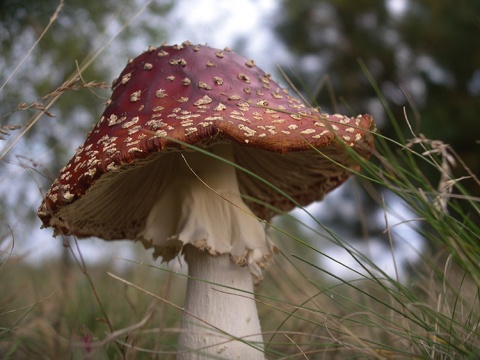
(79, 31)
(426, 52)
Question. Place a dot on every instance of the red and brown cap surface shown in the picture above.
(201, 96)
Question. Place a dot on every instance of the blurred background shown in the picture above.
(423, 55)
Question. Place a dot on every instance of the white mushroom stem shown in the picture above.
(216, 312)
(199, 208)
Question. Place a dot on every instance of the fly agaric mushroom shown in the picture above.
(137, 177)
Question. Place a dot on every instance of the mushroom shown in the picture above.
(176, 161)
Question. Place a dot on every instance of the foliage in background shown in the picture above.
(59, 310)
(425, 55)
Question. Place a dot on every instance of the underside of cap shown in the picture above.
(178, 199)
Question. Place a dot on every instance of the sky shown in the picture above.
(246, 26)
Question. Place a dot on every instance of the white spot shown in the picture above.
(130, 123)
(307, 131)
(203, 101)
(248, 132)
(131, 143)
(112, 167)
(219, 107)
(126, 78)
(241, 118)
(160, 93)
(205, 123)
(67, 196)
(112, 120)
(91, 172)
(244, 78)
(187, 116)
(160, 133)
(155, 124)
(134, 129)
(190, 130)
(204, 85)
(135, 96)
(214, 118)
(324, 132)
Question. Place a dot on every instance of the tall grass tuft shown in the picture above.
(433, 313)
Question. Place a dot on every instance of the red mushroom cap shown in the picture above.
(201, 96)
